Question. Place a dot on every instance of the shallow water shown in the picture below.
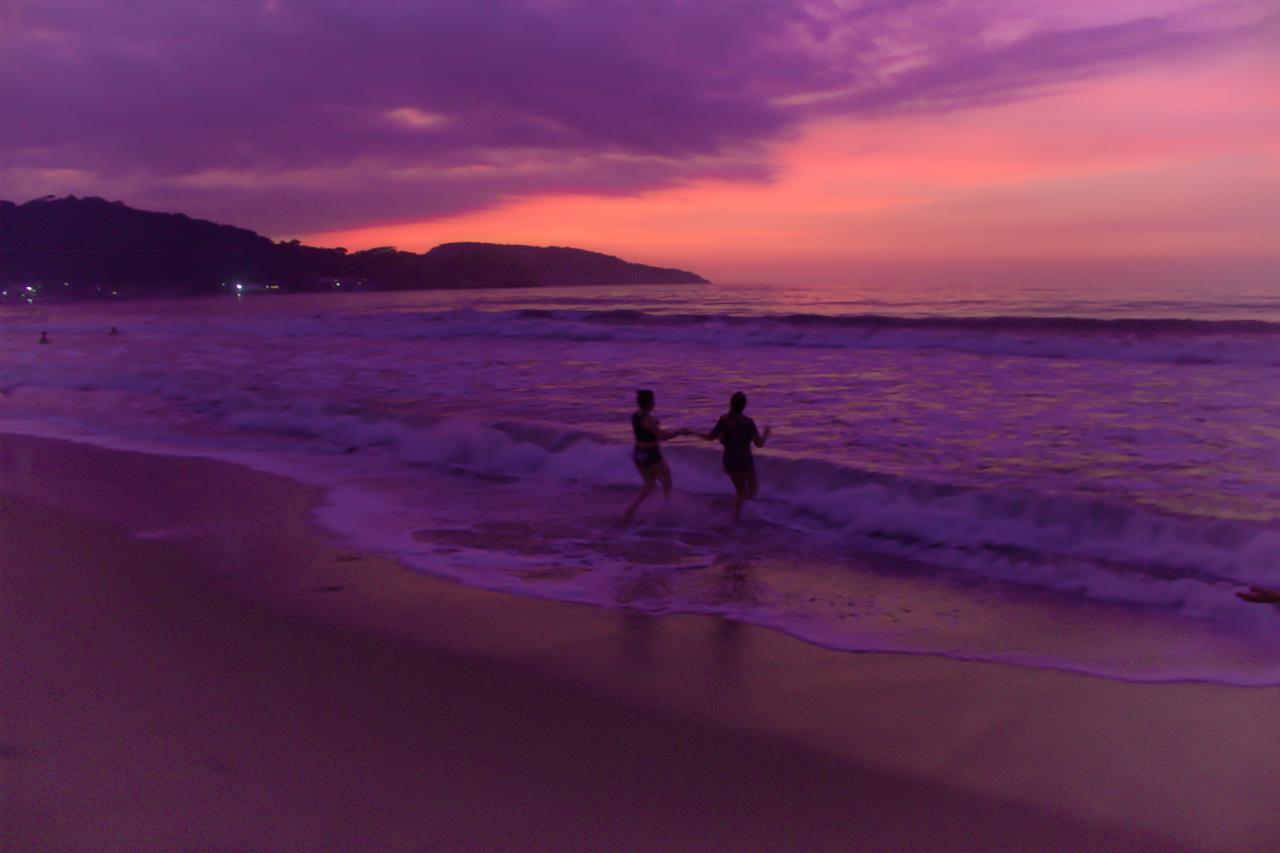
(1064, 481)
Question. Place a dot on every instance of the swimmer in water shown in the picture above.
(44, 338)
(114, 331)
(737, 433)
(647, 454)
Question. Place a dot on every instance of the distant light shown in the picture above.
(30, 288)
(239, 286)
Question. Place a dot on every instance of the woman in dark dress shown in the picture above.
(737, 433)
(647, 454)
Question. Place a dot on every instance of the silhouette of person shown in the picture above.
(737, 433)
(44, 337)
(114, 331)
(647, 454)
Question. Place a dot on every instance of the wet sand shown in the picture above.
(188, 662)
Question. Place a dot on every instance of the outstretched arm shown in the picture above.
(651, 424)
(714, 433)
(761, 437)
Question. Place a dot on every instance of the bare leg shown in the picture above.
(740, 491)
(664, 476)
(649, 473)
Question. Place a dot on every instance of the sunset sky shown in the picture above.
(756, 140)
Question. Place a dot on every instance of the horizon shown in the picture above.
(816, 143)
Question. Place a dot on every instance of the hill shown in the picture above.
(83, 247)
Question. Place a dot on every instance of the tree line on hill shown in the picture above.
(84, 247)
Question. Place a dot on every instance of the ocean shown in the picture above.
(1038, 477)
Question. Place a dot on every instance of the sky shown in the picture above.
(814, 141)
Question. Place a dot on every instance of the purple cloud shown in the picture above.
(293, 116)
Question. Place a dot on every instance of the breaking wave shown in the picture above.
(1162, 341)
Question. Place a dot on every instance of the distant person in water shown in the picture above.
(737, 433)
(114, 331)
(44, 338)
(647, 454)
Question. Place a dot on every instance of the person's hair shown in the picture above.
(644, 398)
(737, 403)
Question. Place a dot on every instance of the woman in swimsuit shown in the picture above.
(648, 451)
(737, 433)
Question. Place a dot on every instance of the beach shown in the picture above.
(592, 426)
(190, 662)
(997, 481)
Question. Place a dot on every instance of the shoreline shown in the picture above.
(900, 585)
(240, 613)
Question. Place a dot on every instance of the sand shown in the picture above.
(189, 663)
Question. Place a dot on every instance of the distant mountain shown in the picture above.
(80, 247)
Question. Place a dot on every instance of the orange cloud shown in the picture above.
(1162, 163)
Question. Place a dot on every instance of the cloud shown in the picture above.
(414, 117)
(291, 116)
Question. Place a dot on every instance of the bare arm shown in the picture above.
(651, 423)
(714, 433)
(760, 438)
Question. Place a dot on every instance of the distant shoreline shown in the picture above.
(71, 249)
(15, 299)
